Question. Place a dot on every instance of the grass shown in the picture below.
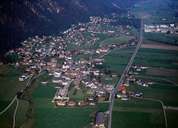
(136, 120)
(9, 87)
(163, 60)
(137, 113)
(117, 59)
(156, 11)
(140, 113)
(54, 117)
(157, 58)
(6, 118)
(172, 80)
(109, 79)
(9, 82)
(163, 89)
(134, 103)
(76, 94)
(167, 93)
(47, 115)
(116, 40)
(172, 118)
(163, 38)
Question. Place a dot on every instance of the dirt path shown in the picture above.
(163, 79)
(155, 45)
(138, 109)
(162, 72)
(171, 108)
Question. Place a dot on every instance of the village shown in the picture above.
(162, 28)
(58, 55)
(72, 62)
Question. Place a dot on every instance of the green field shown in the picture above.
(117, 59)
(164, 62)
(159, 11)
(172, 118)
(164, 84)
(141, 113)
(47, 115)
(167, 93)
(157, 58)
(9, 82)
(77, 94)
(137, 113)
(8, 76)
(161, 37)
(116, 40)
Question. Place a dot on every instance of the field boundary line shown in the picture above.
(156, 100)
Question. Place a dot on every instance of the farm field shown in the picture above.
(118, 59)
(162, 38)
(162, 71)
(116, 40)
(135, 113)
(45, 111)
(172, 118)
(159, 11)
(157, 58)
(8, 76)
(158, 45)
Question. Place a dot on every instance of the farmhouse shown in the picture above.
(99, 120)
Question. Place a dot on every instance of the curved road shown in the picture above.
(8, 106)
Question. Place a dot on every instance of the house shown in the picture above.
(44, 82)
(61, 94)
(122, 89)
(56, 81)
(139, 94)
(23, 78)
(71, 103)
(60, 103)
(99, 120)
(124, 97)
(57, 74)
(82, 103)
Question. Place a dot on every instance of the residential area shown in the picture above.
(72, 61)
(162, 28)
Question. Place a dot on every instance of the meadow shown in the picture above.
(46, 111)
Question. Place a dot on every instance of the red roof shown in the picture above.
(121, 88)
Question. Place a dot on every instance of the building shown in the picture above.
(99, 120)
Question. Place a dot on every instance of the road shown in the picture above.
(8, 106)
(15, 112)
(123, 76)
(171, 108)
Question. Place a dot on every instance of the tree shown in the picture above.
(11, 57)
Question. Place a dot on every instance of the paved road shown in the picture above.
(123, 76)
